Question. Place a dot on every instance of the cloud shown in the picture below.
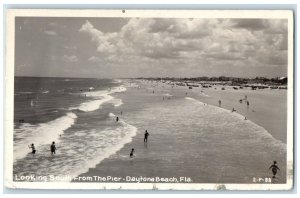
(174, 43)
(50, 33)
(70, 47)
(250, 24)
(70, 59)
(105, 42)
(95, 59)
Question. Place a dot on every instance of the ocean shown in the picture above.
(76, 114)
(188, 137)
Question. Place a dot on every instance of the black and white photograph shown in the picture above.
(156, 99)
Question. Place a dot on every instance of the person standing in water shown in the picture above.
(274, 168)
(220, 103)
(32, 148)
(53, 148)
(131, 153)
(117, 119)
(146, 136)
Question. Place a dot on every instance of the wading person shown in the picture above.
(53, 148)
(32, 148)
(131, 153)
(274, 168)
(146, 136)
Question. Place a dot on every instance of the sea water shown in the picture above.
(74, 113)
(187, 137)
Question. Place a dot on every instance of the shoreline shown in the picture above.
(261, 115)
(119, 161)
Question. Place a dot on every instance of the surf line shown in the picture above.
(267, 133)
(100, 97)
(129, 130)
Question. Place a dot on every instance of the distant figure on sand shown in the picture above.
(131, 153)
(117, 119)
(248, 103)
(32, 148)
(274, 168)
(220, 103)
(146, 136)
(245, 118)
(53, 148)
(233, 110)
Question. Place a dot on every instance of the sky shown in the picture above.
(150, 47)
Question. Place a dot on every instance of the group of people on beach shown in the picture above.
(146, 134)
(52, 148)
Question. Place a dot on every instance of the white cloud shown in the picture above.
(105, 42)
(179, 42)
(70, 59)
(70, 47)
(95, 59)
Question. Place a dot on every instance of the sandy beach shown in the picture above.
(191, 137)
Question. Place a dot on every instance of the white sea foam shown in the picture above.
(94, 104)
(41, 134)
(100, 97)
(167, 94)
(117, 102)
(204, 94)
(45, 92)
(25, 92)
(194, 100)
(116, 141)
(111, 115)
(81, 150)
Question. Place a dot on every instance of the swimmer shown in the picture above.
(53, 148)
(32, 148)
(131, 153)
(274, 168)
